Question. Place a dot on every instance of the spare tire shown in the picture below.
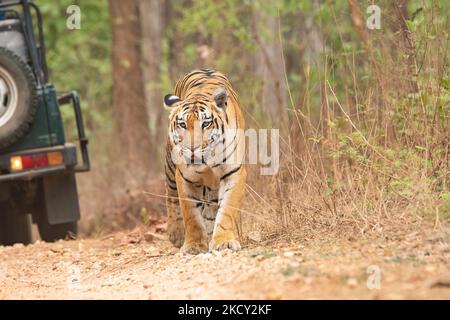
(18, 97)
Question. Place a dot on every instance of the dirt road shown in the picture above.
(137, 265)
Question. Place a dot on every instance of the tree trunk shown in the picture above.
(358, 21)
(129, 112)
(269, 67)
(152, 30)
(400, 8)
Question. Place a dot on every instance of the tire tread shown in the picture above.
(25, 126)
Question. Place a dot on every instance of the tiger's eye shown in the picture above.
(206, 124)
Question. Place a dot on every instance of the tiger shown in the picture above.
(204, 189)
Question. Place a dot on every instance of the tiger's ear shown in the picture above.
(221, 97)
(170, 101)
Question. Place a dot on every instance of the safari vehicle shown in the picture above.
(37, 165)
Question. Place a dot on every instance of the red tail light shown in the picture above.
(34, 161)
(37, 160)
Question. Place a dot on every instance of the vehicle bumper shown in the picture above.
(69, 164)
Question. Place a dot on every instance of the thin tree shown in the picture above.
(269, 67)
(400, 8)
(152, 22)
(128, 101)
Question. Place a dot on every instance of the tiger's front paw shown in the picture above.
(194, 248)
(176, 238)
(224, 243)
(176, 234)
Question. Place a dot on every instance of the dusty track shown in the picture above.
(131, 266)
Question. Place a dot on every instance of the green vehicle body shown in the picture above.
(46, 195)
(47, 129)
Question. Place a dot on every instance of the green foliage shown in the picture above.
(80, 59)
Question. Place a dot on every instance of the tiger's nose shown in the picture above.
(195, 148)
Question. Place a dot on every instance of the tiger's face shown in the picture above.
(196, 128)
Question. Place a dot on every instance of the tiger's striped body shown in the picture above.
(204, 188)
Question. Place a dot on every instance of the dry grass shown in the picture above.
(376, 159)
